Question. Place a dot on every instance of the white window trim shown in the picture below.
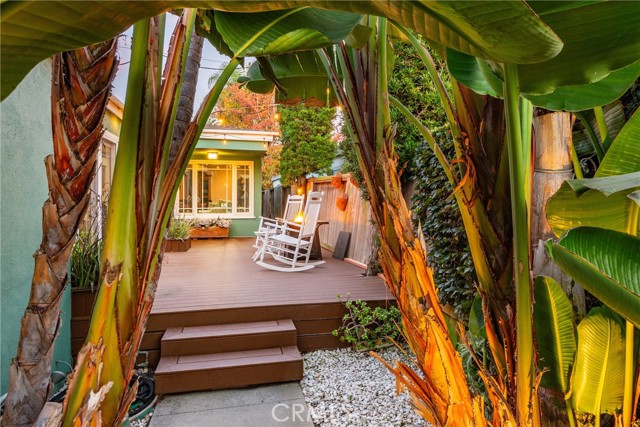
(194, 181)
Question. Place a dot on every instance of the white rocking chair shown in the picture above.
(270, 225)
(291, 243)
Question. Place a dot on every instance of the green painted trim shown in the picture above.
(231, 145)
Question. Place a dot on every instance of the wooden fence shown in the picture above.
(356, 218)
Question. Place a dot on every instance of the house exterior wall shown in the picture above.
(243, 227)
(25, 118)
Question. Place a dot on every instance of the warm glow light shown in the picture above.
(224, 140)
(221, 120)
(212, 155)
(276, 116)
(299, 191)
(298, 218)
(339, 108)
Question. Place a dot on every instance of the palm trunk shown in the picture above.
(81, 85)
(187, 94)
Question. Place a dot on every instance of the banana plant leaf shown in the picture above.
(604, 262)
(555, 333)
(604, 203)
(598, 377)
(601, 40)
(476, 319)
(578, 98)
(614, 118)
(501, 31)
(299, 77)
(296, 30)
(624, 154)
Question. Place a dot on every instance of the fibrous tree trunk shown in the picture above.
(81, 85)
(553, 166)
(187, 94)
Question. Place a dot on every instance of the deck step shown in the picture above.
(193, 340)
(180, 374)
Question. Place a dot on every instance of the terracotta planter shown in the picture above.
(82, 300)
(341, 202)
(209, 233)
(178, 245)
(336, 181)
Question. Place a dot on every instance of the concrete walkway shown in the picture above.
(279, 405)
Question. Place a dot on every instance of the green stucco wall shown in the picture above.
(25, 141)
(243, 227)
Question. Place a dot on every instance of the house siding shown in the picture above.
(25, 141)
(243, 227)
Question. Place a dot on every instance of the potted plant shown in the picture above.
(86, 256)
(178, 237)
(206, 228)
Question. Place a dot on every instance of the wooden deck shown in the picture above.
(216, 282)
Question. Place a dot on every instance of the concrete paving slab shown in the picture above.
(278, 405)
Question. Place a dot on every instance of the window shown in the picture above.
(216, 188)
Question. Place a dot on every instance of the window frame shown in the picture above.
(195, 164)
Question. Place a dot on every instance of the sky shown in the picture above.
(211, 63)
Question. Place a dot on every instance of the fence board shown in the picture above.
(356, 218)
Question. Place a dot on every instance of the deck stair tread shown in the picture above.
(229, 359)
(194, 340)
(180, 374)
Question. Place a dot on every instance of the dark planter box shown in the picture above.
(177, 245)
(82, 300)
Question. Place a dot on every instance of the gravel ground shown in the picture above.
(347, 388)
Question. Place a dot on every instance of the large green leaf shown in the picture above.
(566, 209)
(296, 30)
(476, 319)
(602, 45)
(598, 377)
(503, 31)
(607, 185)
(601, 206)
(555, 333)
(301, 76)
(624, 154)
(604, 262)
(578, 98)
(599, 37)
(614, 118)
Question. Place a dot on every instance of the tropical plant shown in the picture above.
(586, 364)
(598, 220)
(80, 88)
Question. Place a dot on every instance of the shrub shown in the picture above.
(367, 327)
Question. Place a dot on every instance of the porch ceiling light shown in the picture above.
(212, 155)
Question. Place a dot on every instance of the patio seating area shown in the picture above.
(215, 287)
